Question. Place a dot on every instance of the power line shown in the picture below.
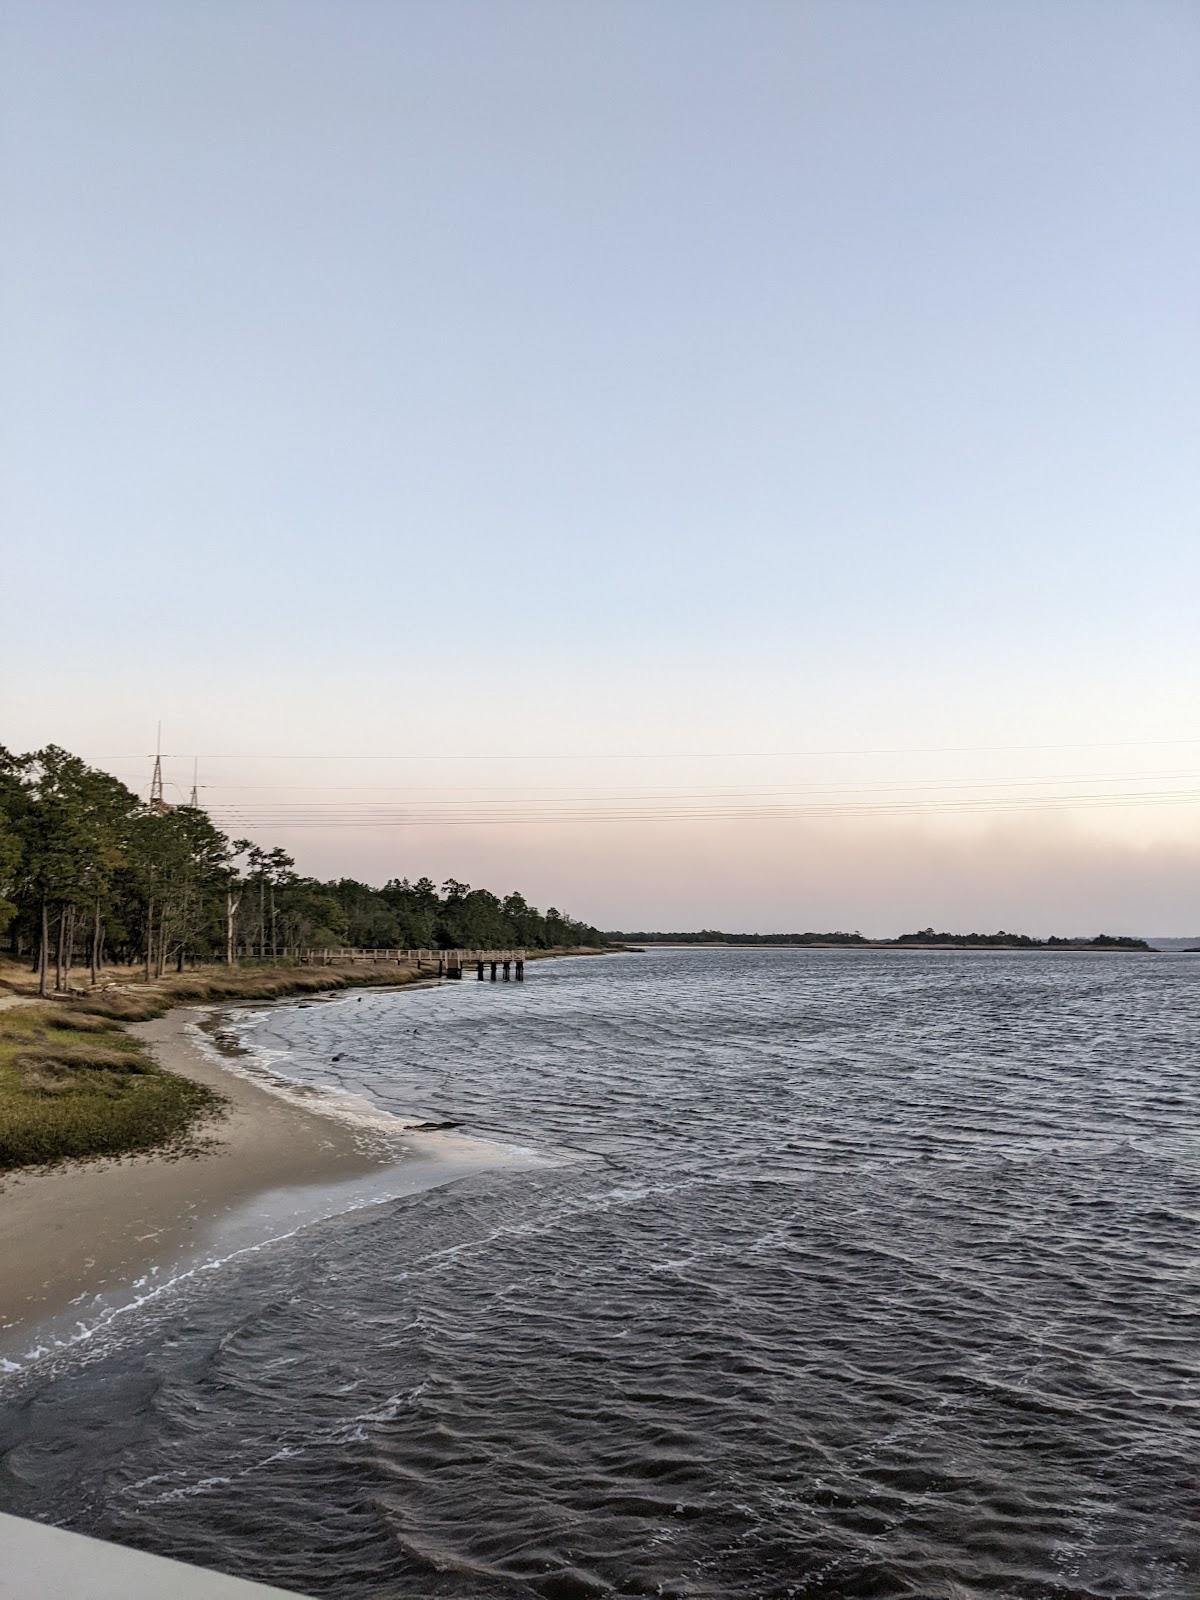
(774, 792)
(513, 816)
(682, 755)
(569, 789)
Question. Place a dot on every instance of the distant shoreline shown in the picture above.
(1063, 948)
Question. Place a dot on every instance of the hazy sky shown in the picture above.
(614, 381)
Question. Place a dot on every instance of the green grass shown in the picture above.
(74, 1085)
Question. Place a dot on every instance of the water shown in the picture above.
(865, 1274)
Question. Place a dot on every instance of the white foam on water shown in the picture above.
(261, 1066)
(323, 1202)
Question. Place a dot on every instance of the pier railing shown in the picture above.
(446, 963)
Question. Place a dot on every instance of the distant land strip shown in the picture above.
(924, 939)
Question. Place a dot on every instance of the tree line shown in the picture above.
(924, 936)
(90, 875)
(1021, 941)
(714, 936)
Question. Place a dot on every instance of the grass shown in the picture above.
(74, 1084)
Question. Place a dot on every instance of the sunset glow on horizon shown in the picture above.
(586, 451)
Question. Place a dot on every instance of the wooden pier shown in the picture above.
(445, 963)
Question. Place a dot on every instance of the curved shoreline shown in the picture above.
(80, 1243)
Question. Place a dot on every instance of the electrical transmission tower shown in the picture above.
(194, 802)
(158, 801)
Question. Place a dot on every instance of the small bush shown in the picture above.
(77, 1021)
(81, 1057)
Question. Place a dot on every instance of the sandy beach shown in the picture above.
(81, 1242)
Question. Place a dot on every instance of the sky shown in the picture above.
(705, 464)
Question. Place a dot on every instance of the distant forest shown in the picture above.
(713, 936)
(91, 874)
(925, 936)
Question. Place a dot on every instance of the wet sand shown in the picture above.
(79, 1242)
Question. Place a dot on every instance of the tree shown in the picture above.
(14, 801)
(70, 829)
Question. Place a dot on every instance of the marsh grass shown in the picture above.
(74, 1085)
(141, 1002)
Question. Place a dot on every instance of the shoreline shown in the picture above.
(85, 1242)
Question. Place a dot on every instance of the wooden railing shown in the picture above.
(444, 963)
(326, 957)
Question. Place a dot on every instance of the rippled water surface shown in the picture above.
(866, 1274)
